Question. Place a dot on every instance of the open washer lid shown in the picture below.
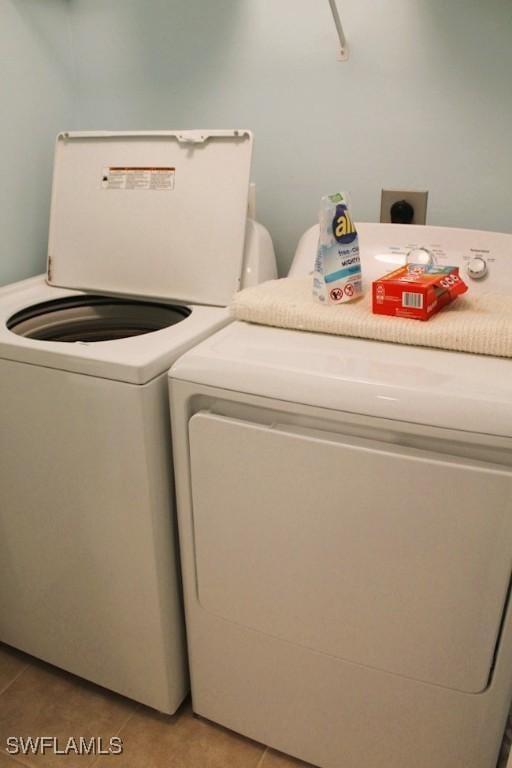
(154, 214)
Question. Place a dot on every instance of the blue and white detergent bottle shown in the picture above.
(337, 275)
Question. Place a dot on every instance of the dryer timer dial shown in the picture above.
(477, 268)
(420, 256)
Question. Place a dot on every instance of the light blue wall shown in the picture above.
(425, 100)
(36, 98)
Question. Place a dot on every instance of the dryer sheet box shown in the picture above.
(416, 291)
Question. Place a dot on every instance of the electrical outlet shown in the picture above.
(416, 199)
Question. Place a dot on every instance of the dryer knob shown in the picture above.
(477, 268)
(420, 256)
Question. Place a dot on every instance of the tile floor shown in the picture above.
(37, 699)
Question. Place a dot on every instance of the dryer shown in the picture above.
(148, 240)
(345, 517)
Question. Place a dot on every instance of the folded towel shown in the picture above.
(479, 324)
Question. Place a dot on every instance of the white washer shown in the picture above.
(88, 564)
(345, 521)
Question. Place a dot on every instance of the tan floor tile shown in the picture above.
(44, 701)
(275, 759)
(12, 662)
(8, 762)
(151, 740)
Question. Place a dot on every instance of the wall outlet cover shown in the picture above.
(416, 198)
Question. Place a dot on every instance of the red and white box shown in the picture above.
(416, 291)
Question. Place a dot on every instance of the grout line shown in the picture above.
(134, 711)
(118, 731)
(19, 674)
(260, 761)
(16, 760)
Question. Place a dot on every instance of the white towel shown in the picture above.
(479, 324)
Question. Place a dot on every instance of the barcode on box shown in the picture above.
(412, 300)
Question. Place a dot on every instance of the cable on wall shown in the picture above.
(343, 51)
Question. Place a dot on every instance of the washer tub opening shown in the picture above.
(91, 318)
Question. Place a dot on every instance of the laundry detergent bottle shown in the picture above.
(337, 275)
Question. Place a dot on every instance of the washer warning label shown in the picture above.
(138, 177)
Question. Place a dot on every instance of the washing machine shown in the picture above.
(345, 518)
(148, 241)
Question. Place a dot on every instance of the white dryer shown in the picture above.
(148, 241)
(345, 517)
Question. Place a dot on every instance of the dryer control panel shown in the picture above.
(484, 258)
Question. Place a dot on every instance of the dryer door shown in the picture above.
(393, 558)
